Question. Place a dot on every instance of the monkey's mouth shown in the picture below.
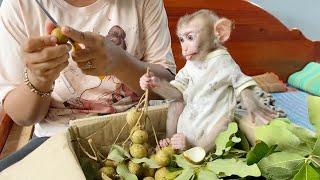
(189, 56)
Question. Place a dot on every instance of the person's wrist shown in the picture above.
(42, 85)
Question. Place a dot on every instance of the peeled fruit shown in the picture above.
(108, 171)
(169, 150)
(133, 116)
(148, 172)
(162, 158)
(195, 155)
(134, 168)
(161, 174)
(148, 178)
(138, 151)
(61, 39)
(139, 137)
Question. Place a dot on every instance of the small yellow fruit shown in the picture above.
(108, 171)
(139, 137)
(138, 151)
(148, 172)
(161, 174)
(153, 157)
(148, 178)
(169, 150)
(110, 163)
(61, 39)
(162, 158)
(134, 168)
(133, 116)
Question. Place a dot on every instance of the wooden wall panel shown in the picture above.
(5, 127)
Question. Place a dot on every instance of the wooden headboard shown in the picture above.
(259, 43)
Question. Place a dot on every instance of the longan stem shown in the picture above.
(154, 132)
(94, 150)
(120, 132)
(88, 154)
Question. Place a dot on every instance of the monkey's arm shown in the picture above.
(168, 91)
(174, 111)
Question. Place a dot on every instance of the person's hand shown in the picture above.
(255, 108)
(97, 56)
(149, 81)
(179, 141)
(44, 59)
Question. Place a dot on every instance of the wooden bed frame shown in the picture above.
(259, 42)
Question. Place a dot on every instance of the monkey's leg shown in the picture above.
(174, 111)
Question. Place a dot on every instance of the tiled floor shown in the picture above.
(17, 138)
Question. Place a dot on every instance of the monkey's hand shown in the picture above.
(149, 81)
(164, 143)
(179, 142)
(256, 109)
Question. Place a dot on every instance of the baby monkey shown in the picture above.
(205, 90)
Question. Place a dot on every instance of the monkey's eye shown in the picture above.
(190, 37)
(181, 39)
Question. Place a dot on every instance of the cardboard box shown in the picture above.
(57, 158)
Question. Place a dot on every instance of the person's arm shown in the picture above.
(113, 60)
(16, 50)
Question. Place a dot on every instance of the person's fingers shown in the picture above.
(43, 67)
(56, 71)
(49, 26)
(51, 53)
(34, 44)
(82, 55)
(87, 38)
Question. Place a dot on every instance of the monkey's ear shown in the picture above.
(222, 29)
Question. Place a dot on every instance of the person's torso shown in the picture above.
(77, 95)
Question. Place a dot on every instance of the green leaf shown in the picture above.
(124, 172)
(258, 152)
(234, 153)
(118, 154)
(205, 174)
(306, 173)
(281, 165)
(282, 136)
(314, 113)
(149, 162)
(121, 150)
(185, 175)
(316, 148)
(173, 174)
(223, 139)
(315, 167)
(303, 134)
(182, 162)
(316, 161)
(244, 143)
(232, 167)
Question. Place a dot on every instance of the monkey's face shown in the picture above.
(117, 35)
(196, 39)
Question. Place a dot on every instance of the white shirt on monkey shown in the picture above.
(209, 89)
